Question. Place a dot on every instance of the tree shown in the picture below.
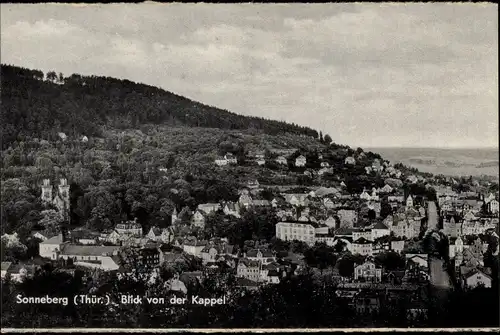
(390, 261)
(327, 139)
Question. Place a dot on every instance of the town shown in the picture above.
(398, 244)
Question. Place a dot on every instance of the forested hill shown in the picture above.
(35, 104)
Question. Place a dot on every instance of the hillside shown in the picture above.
(39, 105)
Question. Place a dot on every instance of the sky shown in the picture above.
(368, 74)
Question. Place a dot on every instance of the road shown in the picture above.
(439, 278)
(432, 216)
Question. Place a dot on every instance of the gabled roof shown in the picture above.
(380, 225)
(248, 263)
(6, 265)
(475, 271)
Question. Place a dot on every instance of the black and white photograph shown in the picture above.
(254, 166)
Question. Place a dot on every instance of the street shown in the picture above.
(432, 216)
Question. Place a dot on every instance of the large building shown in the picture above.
(300, 231)
(61, 197)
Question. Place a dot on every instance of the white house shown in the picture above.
(300, 231)
(209, 207)
(164, 235)
(350, 161)
(386, 189)
(230, 158)
(221, 161)
(368, 271)
(362, 246)
(300, 161)
(50, 248)
(281, 160)
(476, 278)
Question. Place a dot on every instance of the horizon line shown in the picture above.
(415, 147)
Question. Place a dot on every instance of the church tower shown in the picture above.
(64, 191)
(46, 191)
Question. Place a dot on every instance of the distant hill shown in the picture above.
(39, 105)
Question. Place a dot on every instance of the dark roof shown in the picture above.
(244, 282)
(380, 225)
(362, 240)
(87, 250)
(248, 263)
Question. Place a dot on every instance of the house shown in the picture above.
(85, 139)
(246, 284)
(165, 235)
(261, 161)
(84, 236)
(350, 161)
(328, 203)
(18, 272)
(248, 269)
(300, 231)
(300, 161)
(281, 160)
(365, 196)
(253, 184)
(260, 203)
(130, 228)
(368, 272)
(221, 161)
(331, 222)
(386, 189)
(379, 230)
(296, 199)
(348, 217)
(232, 208)
(62, 136)
(5, 268)
(420, 260)
(493, 206)
(198, 219)
(174, 284)
(42, 235)
(230, 158)
(475, 278)
(50, 248)
(412, 179)
(364, 232)
(209, 207)
(397, 246)
(362, 246)
(325, 164)
(328, 239)
(366, 302)
(245, 200)
(92, 256)
(193, 246)
(149, 256)
(409, 202)
(259, 255)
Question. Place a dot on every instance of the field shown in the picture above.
(452, 162)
